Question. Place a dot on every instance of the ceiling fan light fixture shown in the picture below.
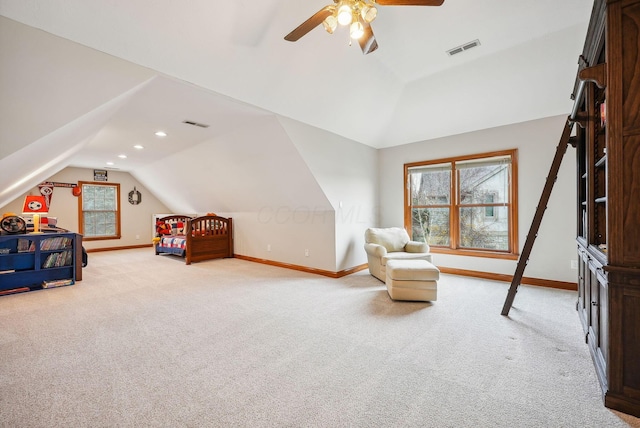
(330, 24)
(345, 15)
(368, 13)
(357, 30)
(357, 14)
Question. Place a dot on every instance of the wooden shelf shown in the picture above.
(607, 233)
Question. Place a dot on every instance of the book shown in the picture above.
(25, 245)
(55, 243)
(56, 283)
(58, 259)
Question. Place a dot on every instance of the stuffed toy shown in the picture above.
(163, 228)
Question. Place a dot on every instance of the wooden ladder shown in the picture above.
(537, 218)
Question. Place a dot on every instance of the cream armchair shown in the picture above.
(389, 244)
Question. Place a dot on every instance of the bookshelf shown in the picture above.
(608, 206)
(34, 261)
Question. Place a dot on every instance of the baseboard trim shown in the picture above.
(550, 283)
(562, 285)
(127, 247)
(322, 272)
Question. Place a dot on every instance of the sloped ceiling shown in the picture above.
(225, 64)
(237, 172)
(236, 48)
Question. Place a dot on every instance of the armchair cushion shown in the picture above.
(416, 247)
(392, 238)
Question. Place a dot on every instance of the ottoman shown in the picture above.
(412, 280)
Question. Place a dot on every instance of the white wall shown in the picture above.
(536, 142)
(346, 172)
(136, 219)
(284, 233)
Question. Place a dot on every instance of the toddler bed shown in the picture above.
(196, 239)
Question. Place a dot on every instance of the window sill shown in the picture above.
(99, 238)
(475, 253)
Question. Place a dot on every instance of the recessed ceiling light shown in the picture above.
(138, 146)
(161, 134)
(110, 163)
(122, 156)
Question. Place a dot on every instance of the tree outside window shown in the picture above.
(464, 205)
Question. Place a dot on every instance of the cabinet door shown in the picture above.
(598, 335)
(594, 308)
(603, 316)
(584, 291)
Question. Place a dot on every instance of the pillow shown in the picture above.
(177, 228)
(163, 228)
(392, 238)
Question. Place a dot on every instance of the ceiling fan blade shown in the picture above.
(410, 2)
(310, 23)
(368, 41)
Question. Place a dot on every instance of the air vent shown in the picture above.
(471, 45)
(462, 48)
(190, 122)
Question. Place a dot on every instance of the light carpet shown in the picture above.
(146, 341)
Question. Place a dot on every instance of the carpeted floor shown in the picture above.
(146, 341)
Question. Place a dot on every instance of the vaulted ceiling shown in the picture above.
(408, 90)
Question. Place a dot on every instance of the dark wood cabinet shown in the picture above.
(607, 94)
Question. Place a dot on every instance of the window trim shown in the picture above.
(118, 234)
(454, 206)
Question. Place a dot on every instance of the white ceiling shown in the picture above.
(231, 65)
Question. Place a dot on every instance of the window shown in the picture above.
(99, 206)
(465, 205)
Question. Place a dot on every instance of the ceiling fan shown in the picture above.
(357, 14)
